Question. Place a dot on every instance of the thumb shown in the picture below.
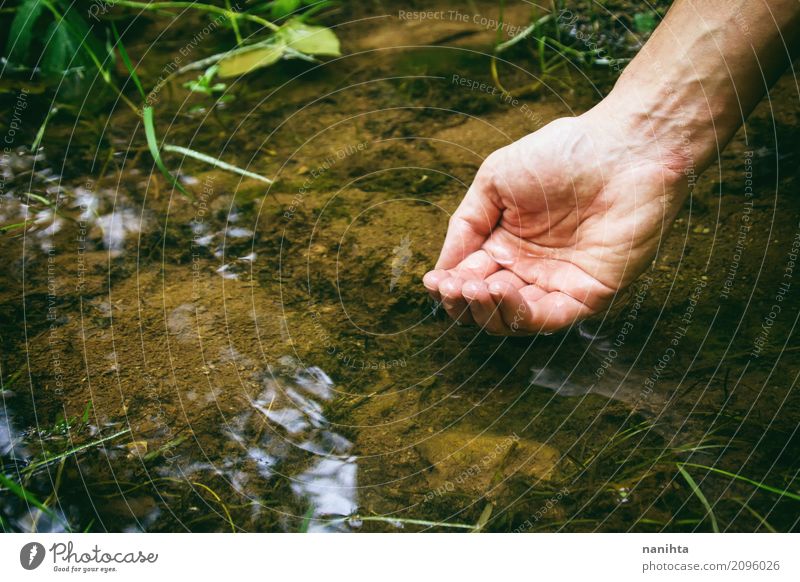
(470, 225)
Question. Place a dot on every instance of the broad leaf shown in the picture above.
(69, 44)
(242, 62)
(644, 22)
(21, 33)
(311, 40)
(295, 39)
(62, 50)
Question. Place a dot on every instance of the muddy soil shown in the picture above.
(277, 365)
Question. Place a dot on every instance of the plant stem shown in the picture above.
(47, 460)
(214, 162)
(234, 24)
(396, 520)
(230, 14)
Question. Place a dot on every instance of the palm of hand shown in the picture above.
(551, 229)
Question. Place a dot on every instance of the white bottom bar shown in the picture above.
(377, 557)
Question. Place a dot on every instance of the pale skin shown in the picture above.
(556, 224)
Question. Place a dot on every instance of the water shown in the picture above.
(273, 363)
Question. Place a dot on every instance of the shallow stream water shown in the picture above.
(265, 358)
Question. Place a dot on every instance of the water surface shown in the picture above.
(265, 358)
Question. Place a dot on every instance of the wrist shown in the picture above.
(660, 124)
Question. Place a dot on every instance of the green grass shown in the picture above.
(62, 433)
(755, 483)
(700, 496)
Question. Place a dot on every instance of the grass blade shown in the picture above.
(522, 35)
(762, 520)
(484, 518)
(218, 499)
(65, 454)
(128, 64)
(147, 118)
(215, 162)
(699, 494)
(30, 498)
(152, 144)
(306, 523)
(765, 487)
(40, 134)
(396, 520)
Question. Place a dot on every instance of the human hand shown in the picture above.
(557, 223)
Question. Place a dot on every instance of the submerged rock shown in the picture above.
(475, 464)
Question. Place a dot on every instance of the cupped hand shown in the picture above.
(555, 224)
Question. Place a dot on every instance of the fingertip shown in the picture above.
(499, 289)
(453, 301)
(450, 288)
(472, 289)
(431, 280)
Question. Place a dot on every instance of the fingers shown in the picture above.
(499, 301)
(551, 271)
(530, 310)
(483, 308)
(453, 300)
(431, 280)
(471, 223)
(511, 305)
(500, 306)
(477, 266)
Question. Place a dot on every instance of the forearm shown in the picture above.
(701, 73)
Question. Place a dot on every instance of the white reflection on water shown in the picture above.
(284, 435)
(328, 484)
(329, 487)
(14, 456)
(116, 226)
(35, 194)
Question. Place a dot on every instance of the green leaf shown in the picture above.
(127, 61)
(203, 83)
(294, 39)
(306, 519)
(281, 8)
(21, 33)
(700, 496)
(245, 61)
(69, 44)
(83, 33)
(152, 144)
(27, 496)
(311, 40)
(85, 417)
(60, 49)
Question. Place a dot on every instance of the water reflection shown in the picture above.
(14, 510)
(284, 435)
(329, 487)
(592, 365)
(35, 198)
